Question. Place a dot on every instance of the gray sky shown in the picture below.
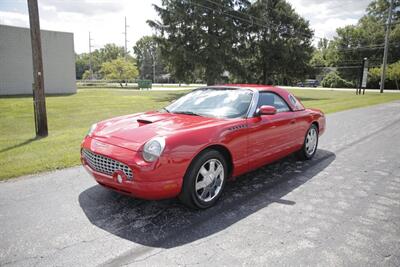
(105, 18)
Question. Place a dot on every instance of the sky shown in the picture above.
(105, 18)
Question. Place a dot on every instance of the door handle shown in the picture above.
(292, 121)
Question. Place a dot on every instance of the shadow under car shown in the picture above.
(168, 223)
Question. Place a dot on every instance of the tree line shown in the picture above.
(353, 43)
(242, 41)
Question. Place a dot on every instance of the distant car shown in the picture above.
(193, 146)
(308, 83)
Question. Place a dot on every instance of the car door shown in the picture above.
(270, 137)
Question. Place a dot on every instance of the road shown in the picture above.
(340, 209)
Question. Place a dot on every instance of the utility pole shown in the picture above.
(39, 98)
(154, 67)
(126, 38)
(386, 47)
(90, 57)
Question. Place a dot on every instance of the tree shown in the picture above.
(394, 73)
(324, 55)
(119, 69)
(278, 43)
(148, 52)
(392, 77)
(196, 35)
(379, 9)
(81, 65)
(105, 54)
(256, 41)
(374, 77)
(333, 80)
(109, 52)
(86, 75)
(365, 40)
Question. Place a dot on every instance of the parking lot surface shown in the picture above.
(340, 209)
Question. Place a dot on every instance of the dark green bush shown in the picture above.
(333, 80)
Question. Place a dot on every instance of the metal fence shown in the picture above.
(131, 84)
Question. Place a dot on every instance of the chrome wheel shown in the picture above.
(311, 141)
(209, 180)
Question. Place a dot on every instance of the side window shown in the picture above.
(271, 99)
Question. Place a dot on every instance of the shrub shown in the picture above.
(333, 80)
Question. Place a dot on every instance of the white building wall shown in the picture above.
(16, 74)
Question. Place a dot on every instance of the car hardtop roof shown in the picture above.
(258, 87)
(285, 94)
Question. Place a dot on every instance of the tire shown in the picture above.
(203, 186)
(306, 152)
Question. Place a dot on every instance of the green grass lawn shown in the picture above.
(70, 117)
(175, 86)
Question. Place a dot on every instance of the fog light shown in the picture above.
(119, 178)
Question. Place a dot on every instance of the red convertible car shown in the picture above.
(190, 148)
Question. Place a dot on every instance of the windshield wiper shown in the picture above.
(165, 110)
(186, 113)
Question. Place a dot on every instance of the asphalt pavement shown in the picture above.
(340, 209)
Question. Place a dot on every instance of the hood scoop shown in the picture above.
(147, 119)
(143, 121)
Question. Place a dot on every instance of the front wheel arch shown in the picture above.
(316, 124)
(187, 195)
(221, 149)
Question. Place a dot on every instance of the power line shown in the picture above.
(338, 67)
(368, 47)
(350, 49)
(254, 17)
(352, 65)
(254, 20)
(244, 14)
(263, 21)
(249, 21)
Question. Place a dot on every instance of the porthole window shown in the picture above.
(295, 102)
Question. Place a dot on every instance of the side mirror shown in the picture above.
(266, 110)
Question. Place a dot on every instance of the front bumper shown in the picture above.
(157, 180)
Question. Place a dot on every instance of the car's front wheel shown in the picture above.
(310, 143)
(205, 180)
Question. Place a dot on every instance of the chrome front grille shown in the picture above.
(105, 165)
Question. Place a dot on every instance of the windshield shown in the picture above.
(220, 103)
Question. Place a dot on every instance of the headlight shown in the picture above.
(153, 148)
(92, 128)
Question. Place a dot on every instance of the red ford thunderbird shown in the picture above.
(190, 148)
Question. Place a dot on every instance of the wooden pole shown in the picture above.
(39, 98)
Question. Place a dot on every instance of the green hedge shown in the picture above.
(333, 80)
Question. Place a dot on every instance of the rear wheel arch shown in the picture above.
(302, 154)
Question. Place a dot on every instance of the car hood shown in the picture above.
(132, 131)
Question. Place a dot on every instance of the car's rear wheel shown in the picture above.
(205, 180)
(310, 144)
